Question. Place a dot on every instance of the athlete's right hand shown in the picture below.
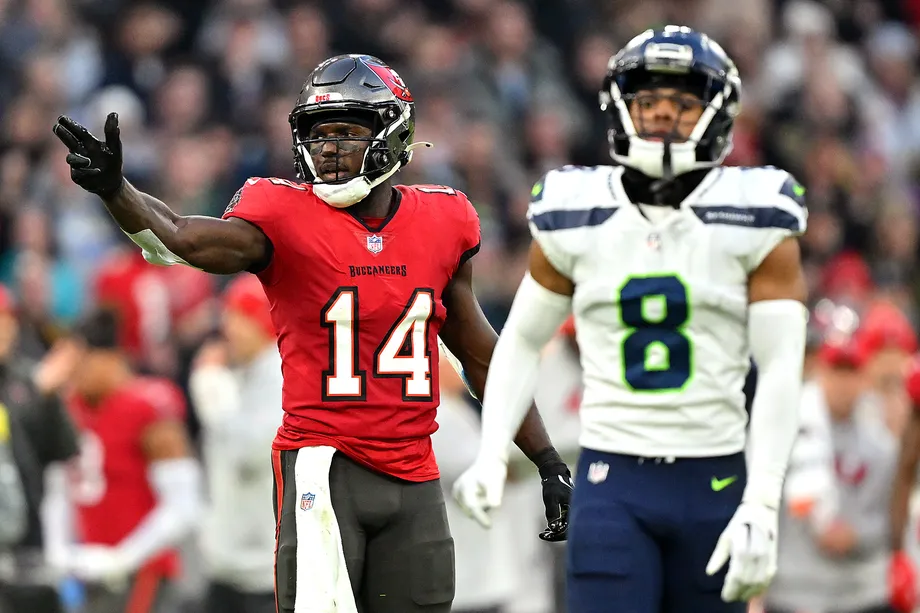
(480, 488)
(748, 545)
(96, 166)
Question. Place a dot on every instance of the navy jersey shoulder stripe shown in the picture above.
(567, 219)
(753, 217)
(794, 190)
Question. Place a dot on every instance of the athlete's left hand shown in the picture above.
(750, 541)
(557, 494)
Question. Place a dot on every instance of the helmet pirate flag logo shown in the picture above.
(392, 80)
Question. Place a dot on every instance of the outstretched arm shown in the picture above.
(218, 246)
(214, 245)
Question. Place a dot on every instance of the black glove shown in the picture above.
(557, 493)
(95, 166)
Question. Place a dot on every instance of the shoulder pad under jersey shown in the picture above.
(759, 197)
(572, 197)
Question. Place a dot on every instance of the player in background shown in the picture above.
(236, 391)
(136, 488)
(678, 272)
(486, 560)
(833, 554)
(35, 426)
(362, 278)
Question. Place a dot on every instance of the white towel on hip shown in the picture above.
(323, 585)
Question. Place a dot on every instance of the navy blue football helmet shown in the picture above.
(675, 57)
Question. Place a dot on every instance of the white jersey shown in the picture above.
(661, 302)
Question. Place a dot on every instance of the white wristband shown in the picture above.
(535, 317)
(154, 250)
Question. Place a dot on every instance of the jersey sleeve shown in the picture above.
(157, 400)
(545, 216)
(471, 234)
(252, 203)
(779, 212)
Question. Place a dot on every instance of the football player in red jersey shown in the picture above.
(137, 487)
(363, 277)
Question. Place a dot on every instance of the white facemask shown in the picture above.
(343, 195)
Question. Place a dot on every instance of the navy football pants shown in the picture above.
(642, 531)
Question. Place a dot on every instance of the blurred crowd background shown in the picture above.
(506, 90)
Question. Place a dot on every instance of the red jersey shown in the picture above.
(149, 299)
(140, 295)
(112, 494)
(358, 310)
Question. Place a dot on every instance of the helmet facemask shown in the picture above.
(668, 155)
(386, 150)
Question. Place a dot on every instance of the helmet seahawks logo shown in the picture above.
(391, 80)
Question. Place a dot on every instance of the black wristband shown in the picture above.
(549, 463)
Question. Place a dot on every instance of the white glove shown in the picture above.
(99, 564)
(750, 541)
(480, 488)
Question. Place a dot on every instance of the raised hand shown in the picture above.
(96, 166)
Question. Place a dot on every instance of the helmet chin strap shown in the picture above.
(343, 195)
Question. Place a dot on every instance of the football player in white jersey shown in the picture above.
(678, 272)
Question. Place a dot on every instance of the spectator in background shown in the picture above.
(809, 47)
(43, 439)
(889, 342)
(833, 552)
(12, 499)
(33, 239)
(484, 559)
(895, 107)
(236, 390)
(512, 72)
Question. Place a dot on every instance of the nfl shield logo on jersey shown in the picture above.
(374, 243)
(306, 501)
(597, 472)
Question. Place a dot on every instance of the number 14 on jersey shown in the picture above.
(404, 352)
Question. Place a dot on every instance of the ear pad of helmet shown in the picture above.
(380, 158)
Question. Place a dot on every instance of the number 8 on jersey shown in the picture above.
(657, 354)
